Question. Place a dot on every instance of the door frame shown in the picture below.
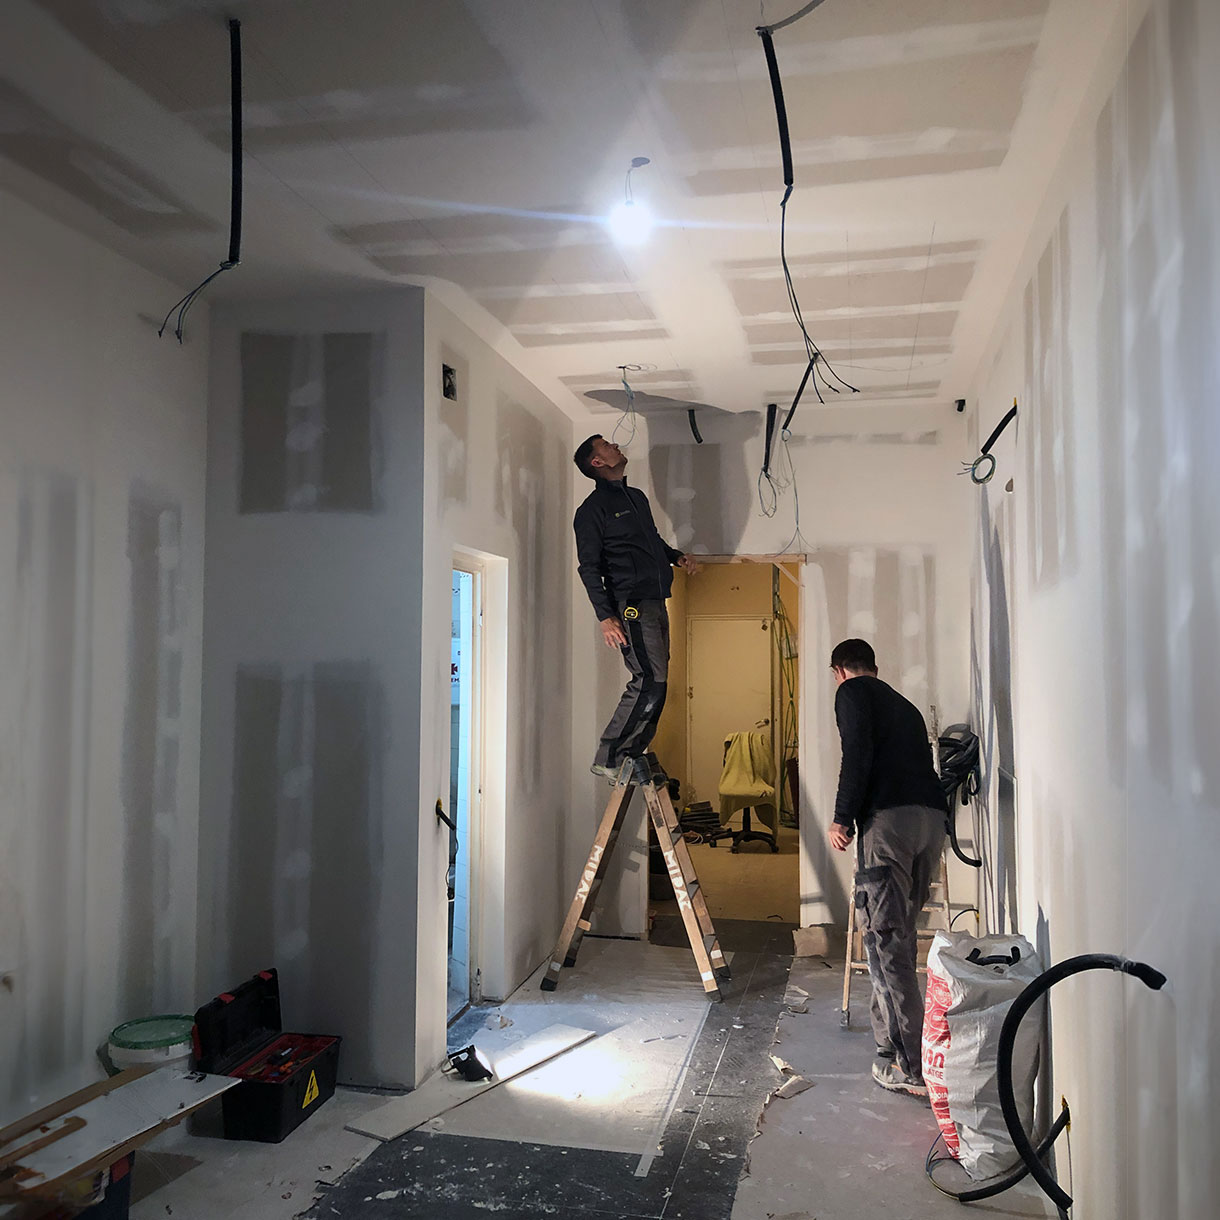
(473, 564)
(726, 618)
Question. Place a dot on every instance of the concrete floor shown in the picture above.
(846, 1148)
(842, 1149)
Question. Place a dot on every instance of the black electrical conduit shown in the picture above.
(985, 456)
(235, 194)
(779, 25)
(1146, 974)
(785, 148)
(694, 425)
(772, 408)
(781, 111)
(958, 850)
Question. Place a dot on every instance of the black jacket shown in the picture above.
(621, 556)
(887, 759)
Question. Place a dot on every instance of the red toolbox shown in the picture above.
(285, 1077)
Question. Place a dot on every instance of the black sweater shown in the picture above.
(621, 556)
(887, 760)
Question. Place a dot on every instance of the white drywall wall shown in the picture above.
(496, 485)
(885, 523)
(1097, 617)
(102, 432)
(312, 682)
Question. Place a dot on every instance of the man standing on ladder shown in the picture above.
(627, 569)
(890, 793)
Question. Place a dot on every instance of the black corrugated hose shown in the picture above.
(1146, 974)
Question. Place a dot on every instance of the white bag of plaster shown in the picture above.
(972, 982)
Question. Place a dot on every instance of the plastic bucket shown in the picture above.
(153, 1041)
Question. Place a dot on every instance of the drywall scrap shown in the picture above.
(793, 1084)
(442, 1093)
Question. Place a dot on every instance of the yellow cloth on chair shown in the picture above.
(748, 778)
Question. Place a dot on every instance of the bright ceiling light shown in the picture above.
(630, 223)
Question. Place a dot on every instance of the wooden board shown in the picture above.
(442, 1092)
(97, 1126)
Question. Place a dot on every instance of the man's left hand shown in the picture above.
(840, 837)
(689, 565)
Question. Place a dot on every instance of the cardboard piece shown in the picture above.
(821, 940)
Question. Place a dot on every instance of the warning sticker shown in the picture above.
(311, 1093)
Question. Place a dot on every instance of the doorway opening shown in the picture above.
(730, 737)
(465, 759)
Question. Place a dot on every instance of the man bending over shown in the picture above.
(890, 794)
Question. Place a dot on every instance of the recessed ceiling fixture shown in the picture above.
(630, 221)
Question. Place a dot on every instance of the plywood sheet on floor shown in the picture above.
(615, 1092)
(445, 1092)
(426, 1175)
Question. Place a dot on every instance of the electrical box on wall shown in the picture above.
(449, 382)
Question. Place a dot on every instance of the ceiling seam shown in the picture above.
(923, 292)
(343, 148)
(618, 71)
(741, 97)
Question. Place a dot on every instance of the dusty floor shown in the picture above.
(841, 1149)
(846, 1148)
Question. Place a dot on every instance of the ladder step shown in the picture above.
(704, 945)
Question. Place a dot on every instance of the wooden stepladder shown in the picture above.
(642, 773)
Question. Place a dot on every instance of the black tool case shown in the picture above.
(284, 1077)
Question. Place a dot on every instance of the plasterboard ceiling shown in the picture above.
(483, 143)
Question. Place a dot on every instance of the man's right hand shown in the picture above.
(613, 633)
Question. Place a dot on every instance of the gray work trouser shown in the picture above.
(646, 655)
(897, 855)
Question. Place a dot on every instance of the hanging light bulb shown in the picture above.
(630, 222)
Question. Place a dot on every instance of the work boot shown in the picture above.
(606, 772)
(890, 1076)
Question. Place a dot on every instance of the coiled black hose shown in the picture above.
(978, 1193)
(1146, 974)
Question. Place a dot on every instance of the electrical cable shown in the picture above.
(183, 306)
(779, 25)
(991, 1189)
(986, 460)
(694, 425)
(817, 365)
(629, 411)
(1146, 974)
(789, 720)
